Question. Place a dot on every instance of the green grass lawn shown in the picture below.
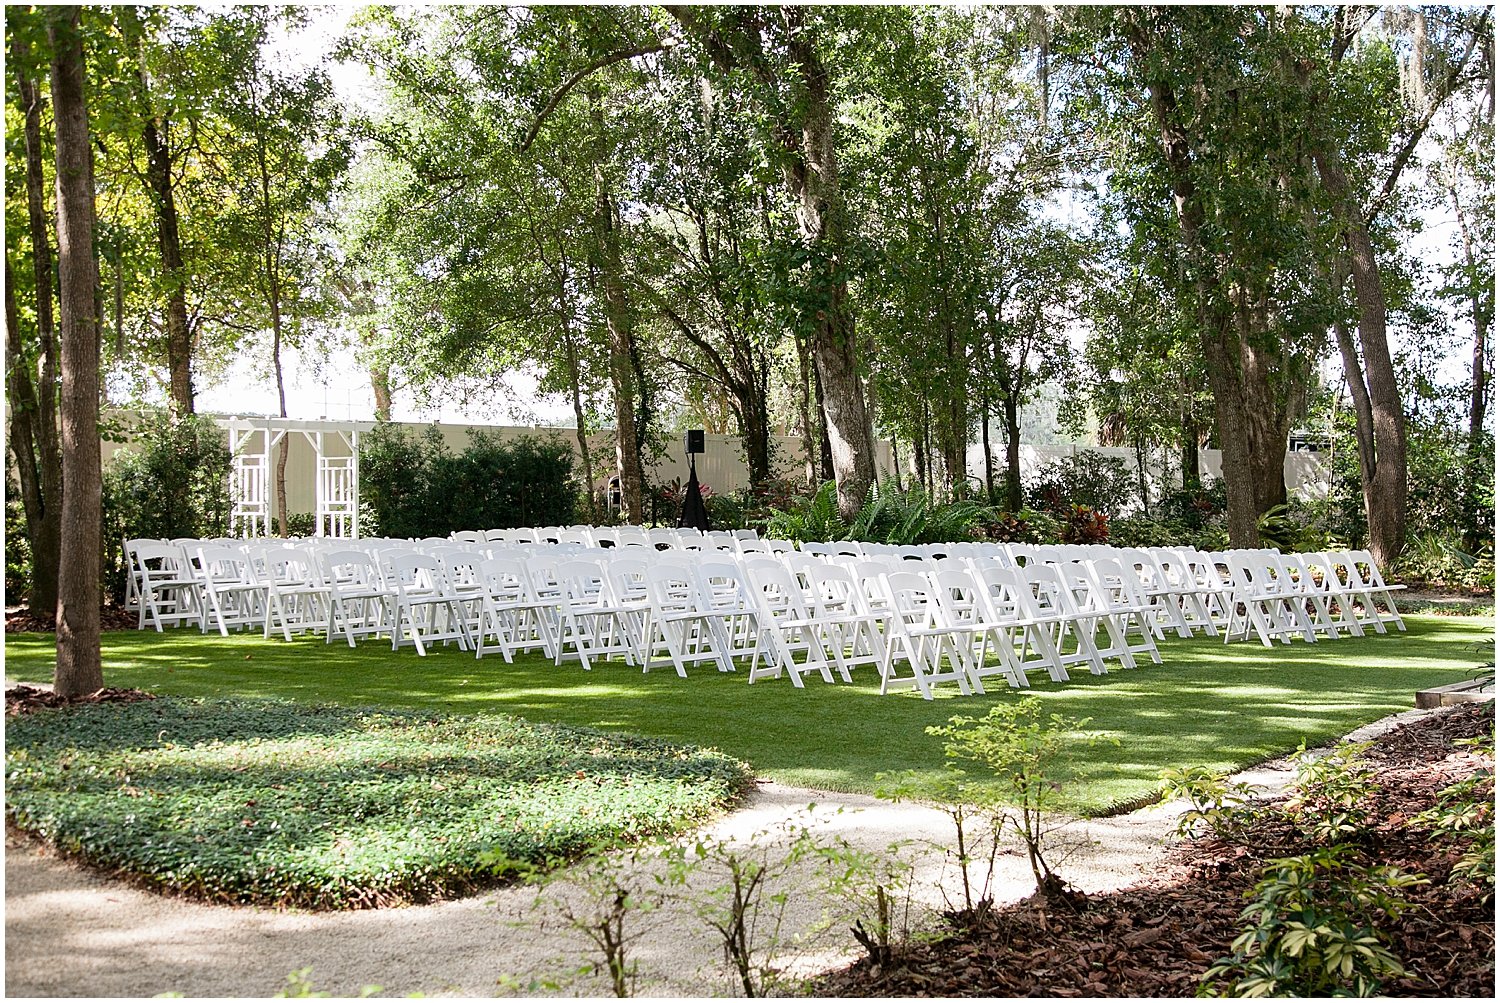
(1208, 703)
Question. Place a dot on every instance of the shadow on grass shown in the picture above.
(1224, 706)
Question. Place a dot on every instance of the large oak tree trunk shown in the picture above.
(1379, 417)
(1251, 416)
(814, 180)
(78, 665)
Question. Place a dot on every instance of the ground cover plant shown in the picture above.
(277, 803)
(1209, 704)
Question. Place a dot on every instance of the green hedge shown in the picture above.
(412, 485)
(330, 808)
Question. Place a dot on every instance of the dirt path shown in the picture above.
(70, 932)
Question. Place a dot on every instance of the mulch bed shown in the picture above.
(22, 620)
(25, 699)
(1158, 938)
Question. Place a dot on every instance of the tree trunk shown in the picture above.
(1192, 479)
(805, 411)
(1251, 420)
(43, 525)
(575, 387)
(78, 664)
(619, 325)
(159, 180)
(757, 435)
(1013, 500)
(814, 180)
(1252, 424)
(825, 447)
(1381, 429)
(380, 385)
(984, 438)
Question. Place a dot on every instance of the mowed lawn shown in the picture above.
(1224, 706)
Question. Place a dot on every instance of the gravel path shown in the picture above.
(70, 932)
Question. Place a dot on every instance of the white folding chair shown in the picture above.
(359, 603)
(922, 638)
(169, 590)
(231, 597)
(679, 622)
(788, 628)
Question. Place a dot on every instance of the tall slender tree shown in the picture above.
(78, 663)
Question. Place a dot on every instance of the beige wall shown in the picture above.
(721, 466)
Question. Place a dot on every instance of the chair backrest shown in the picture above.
(467, 536)
(349, 569)
(163, 560)
(1048, 592)
(582, 581)
(415, 572)
(505, 579)
(672, 588)
(224, 565)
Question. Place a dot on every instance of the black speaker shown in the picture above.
(695, 440)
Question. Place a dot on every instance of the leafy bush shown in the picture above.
(174, 483)
(815, 518)
(1216, 805)
(1081, 524)
(17, 546)
(414, 486)
(910, 517)
(1087, 478)
(1331, 792)
(335, 808)
(1314, 929)
(1438, 558)
(1025, 526)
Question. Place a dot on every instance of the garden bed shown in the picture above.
(323, 807)
(1159, 938)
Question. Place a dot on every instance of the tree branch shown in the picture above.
(598, 64)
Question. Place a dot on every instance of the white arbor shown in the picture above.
(335, 449)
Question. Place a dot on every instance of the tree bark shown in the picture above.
(1012, 407)
(1250, 419)
(1192, 478)
(805, 409)
(619, 324)
(41, 532)
(157, 139)
(984, 438)
(803, 127)
(39, 414)
(78, 664)
(380, 386)
(814, 179)
(1380, 426)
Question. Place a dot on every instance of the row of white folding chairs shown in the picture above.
(603, 536)
(818, 619)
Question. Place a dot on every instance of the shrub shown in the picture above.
(1081, 524)
(335, 808)
(804, 519)
(414, 486)
(1087, 478)
(910, 517)
(17, 546)
(175, 483)
(1314, 929)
